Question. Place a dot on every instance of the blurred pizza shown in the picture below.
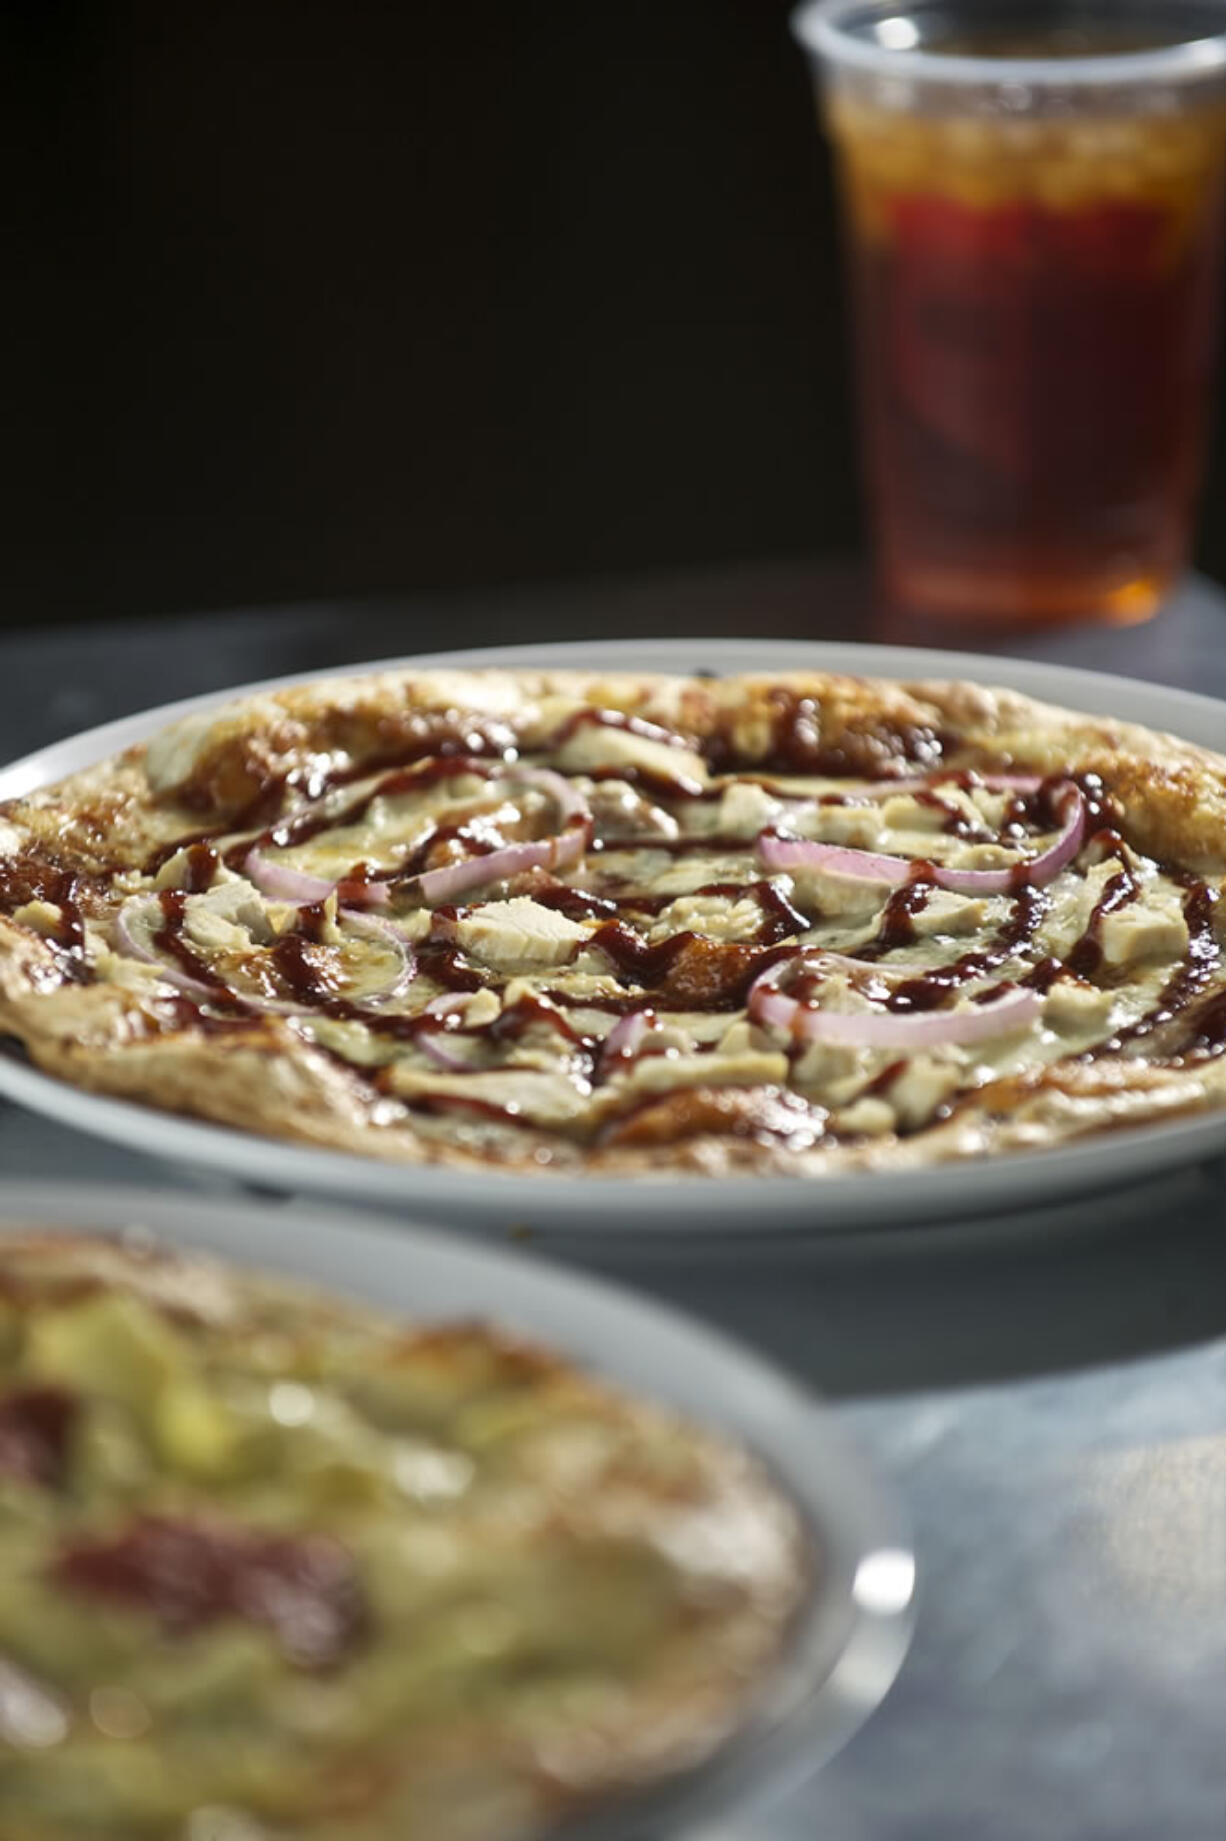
(275, 1566)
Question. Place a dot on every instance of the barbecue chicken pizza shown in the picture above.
(558, 921)
(276, 1568)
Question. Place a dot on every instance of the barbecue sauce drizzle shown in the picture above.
(27, 878)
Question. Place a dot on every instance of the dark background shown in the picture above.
(331, 297)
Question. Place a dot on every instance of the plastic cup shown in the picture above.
(1033, 202)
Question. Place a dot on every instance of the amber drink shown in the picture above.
(1034, 206)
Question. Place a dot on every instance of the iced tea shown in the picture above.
(1036, 306)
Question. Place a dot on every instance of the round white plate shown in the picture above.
(654, 1206)
(854, 1632)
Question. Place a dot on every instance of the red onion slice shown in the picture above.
(768, 1006)
(376, 928)
(1036, 872)
(792, 853)
(371, 1001)
(447, 1002)
(624, 1039)
(135, 937)
(439, 885)
(129, 927)
(1015, 1010)
(572, 806)
(430, 1042)
(770, 1009)
(555, 853)
(286, 884)
(559, 852)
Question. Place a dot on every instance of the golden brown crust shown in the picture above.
(104, 817)
(264, 1074)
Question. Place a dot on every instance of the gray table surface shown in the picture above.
(1048, 1393)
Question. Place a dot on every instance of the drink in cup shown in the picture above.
(1033, 198)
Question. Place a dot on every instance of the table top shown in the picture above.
(1049, 1394)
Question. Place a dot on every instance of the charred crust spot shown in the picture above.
(711, 974)
(243, 778)
(829, 735)
(743, 1112)
(476, 1352)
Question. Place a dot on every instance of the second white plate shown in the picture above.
(853, 1633)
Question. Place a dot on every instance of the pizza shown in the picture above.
(560, 921)
(275, 1567)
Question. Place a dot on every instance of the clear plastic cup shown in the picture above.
(1033, 198)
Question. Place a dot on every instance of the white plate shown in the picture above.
(855, 1631)
(594, 1207)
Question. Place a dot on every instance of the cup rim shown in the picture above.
(821, 28)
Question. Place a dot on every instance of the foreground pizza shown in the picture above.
(555, 921)
(273, 1566)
